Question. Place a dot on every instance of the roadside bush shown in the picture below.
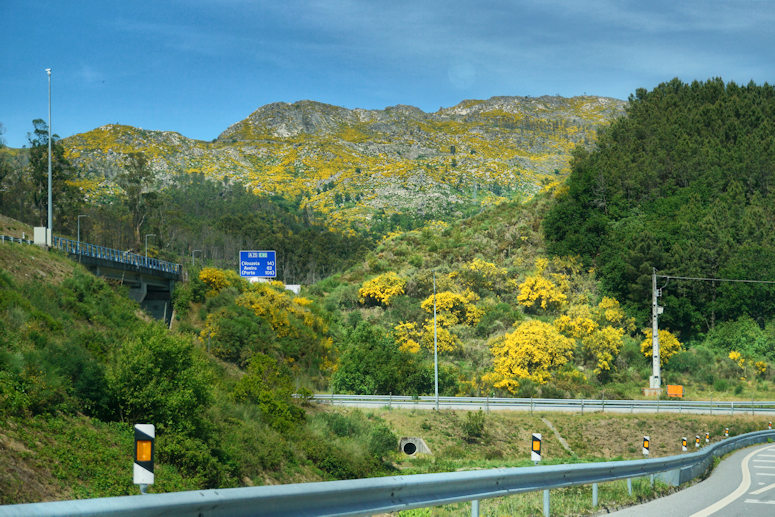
(269, 385)
(157, 377)
(372, 364)
(382, 442)
(473, 425)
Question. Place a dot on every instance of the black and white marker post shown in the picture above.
(145, 436)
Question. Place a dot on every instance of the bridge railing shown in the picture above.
(391, 494)
(74, 247)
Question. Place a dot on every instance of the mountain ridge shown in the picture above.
(357, 164)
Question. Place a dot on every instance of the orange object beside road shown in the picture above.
(675, 390)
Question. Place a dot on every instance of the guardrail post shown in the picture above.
(629, 486)
(546, 503)
(531, 405)
(711, 405)
(594, 495)
(475, 508)
(732, 412)
(582, 407)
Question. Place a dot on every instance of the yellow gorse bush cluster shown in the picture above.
(218, 279)
(668, 345)
(382, 288)
(539, 291)
(532, 351)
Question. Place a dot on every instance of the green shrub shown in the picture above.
(268, 384)
(382, 442)
(157, 378)
(473, 425)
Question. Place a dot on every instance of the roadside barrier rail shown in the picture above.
(8, 238)
(390, 494)
(720, 407)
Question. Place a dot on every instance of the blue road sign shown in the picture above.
(259, 264)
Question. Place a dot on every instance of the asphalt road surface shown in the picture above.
(742, 484)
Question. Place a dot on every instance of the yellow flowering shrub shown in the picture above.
(610, 311)
(737, 357)
(406, 336)
(541, 292)
(218, 279)
(454, 308)
(604, 345)
(446, 341)
(382, 288)
(480, 274)
(761, 367)
(668, 345)
(576, 328)
(532, 351)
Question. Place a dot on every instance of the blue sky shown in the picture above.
(197, 67)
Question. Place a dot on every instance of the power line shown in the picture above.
(717, 279)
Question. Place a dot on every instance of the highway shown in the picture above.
(742, 484)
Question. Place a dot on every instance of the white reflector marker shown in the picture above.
(535, 449)
(683, 444)
(697, 441)
(646, 444)
(145, 436)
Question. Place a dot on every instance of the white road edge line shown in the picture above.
(745, 484)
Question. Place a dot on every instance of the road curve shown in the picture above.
(743, 484)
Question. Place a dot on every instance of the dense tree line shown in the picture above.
(684, 183)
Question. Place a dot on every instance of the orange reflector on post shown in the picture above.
(144, 448)
(535, 453)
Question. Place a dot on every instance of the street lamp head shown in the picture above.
(48, 71)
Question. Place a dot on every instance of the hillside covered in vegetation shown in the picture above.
(684, 184)
(360, 167)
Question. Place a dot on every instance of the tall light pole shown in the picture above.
(435, 345)
(146, 245)
(79, 234)
(49, 230)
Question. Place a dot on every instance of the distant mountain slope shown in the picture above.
(353, 165)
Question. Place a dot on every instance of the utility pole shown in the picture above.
(655, 382)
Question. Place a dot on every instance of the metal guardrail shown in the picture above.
(8, 238)
(568, 405)
(388, 494)
(84, 249)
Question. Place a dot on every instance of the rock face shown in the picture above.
(357, 164)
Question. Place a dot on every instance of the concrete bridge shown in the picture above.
(150, 281)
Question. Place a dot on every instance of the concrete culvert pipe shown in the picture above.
(412, 445)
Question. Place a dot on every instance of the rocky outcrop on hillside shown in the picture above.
(357, 164)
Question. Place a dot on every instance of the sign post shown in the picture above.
(145, 436)
(258, 264)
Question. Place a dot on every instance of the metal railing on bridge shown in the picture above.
(74, 247)
(84, 249)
